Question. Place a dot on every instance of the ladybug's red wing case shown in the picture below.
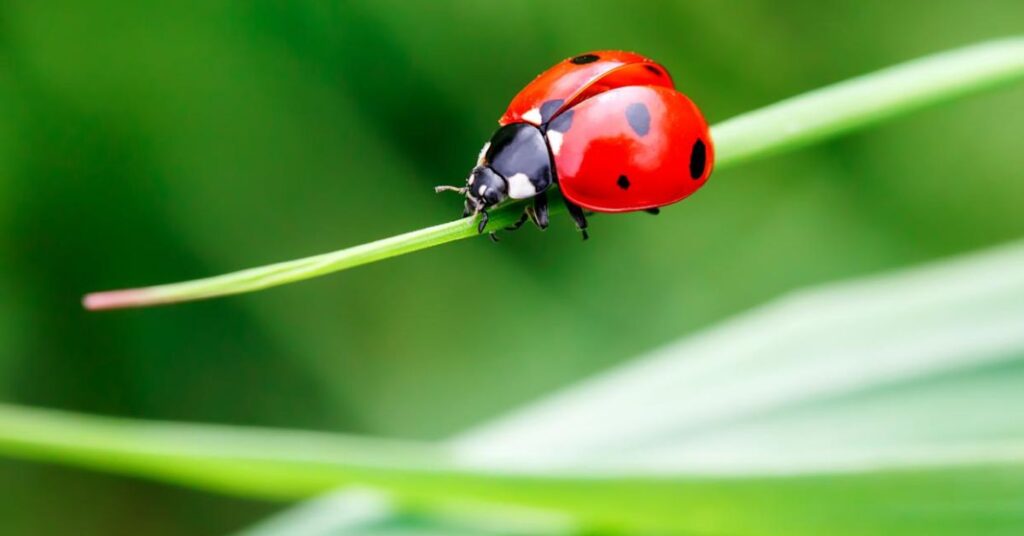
(631, 148)
(578, 78)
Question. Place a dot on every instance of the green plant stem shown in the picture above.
(792, 123)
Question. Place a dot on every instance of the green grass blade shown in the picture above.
(362, 512)
(248, 461)
(869, 99)
(283, 465)
(798, 121)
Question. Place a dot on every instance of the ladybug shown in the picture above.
(608, 127)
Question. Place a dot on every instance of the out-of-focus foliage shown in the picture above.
(825, 412)
(142, 142)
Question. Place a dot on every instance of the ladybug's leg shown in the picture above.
(653, 211)
(577, 215)
(519, 223)
(484, 218)
(539, 214)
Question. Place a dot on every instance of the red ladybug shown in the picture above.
(608, 127)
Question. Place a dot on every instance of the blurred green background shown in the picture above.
(153, 142)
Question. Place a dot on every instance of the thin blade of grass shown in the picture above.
(790, 124)
(262, 463)
(869, 99)
(361, 512)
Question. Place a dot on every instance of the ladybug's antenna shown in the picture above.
(446, 188)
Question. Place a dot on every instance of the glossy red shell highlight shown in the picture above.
(573, 82)
(604, 164)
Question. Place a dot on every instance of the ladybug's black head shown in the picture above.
(514, 164)
(484, 189)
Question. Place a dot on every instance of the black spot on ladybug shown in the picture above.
(623, 182)
(698, 159)
(653, 69)
(639, 118)
(549, 108)
(585, 58)
(562, 122)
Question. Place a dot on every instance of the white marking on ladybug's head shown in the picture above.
(533, 116)
(555, 141)
(488, 188)
(482, 159)
(520, 187)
